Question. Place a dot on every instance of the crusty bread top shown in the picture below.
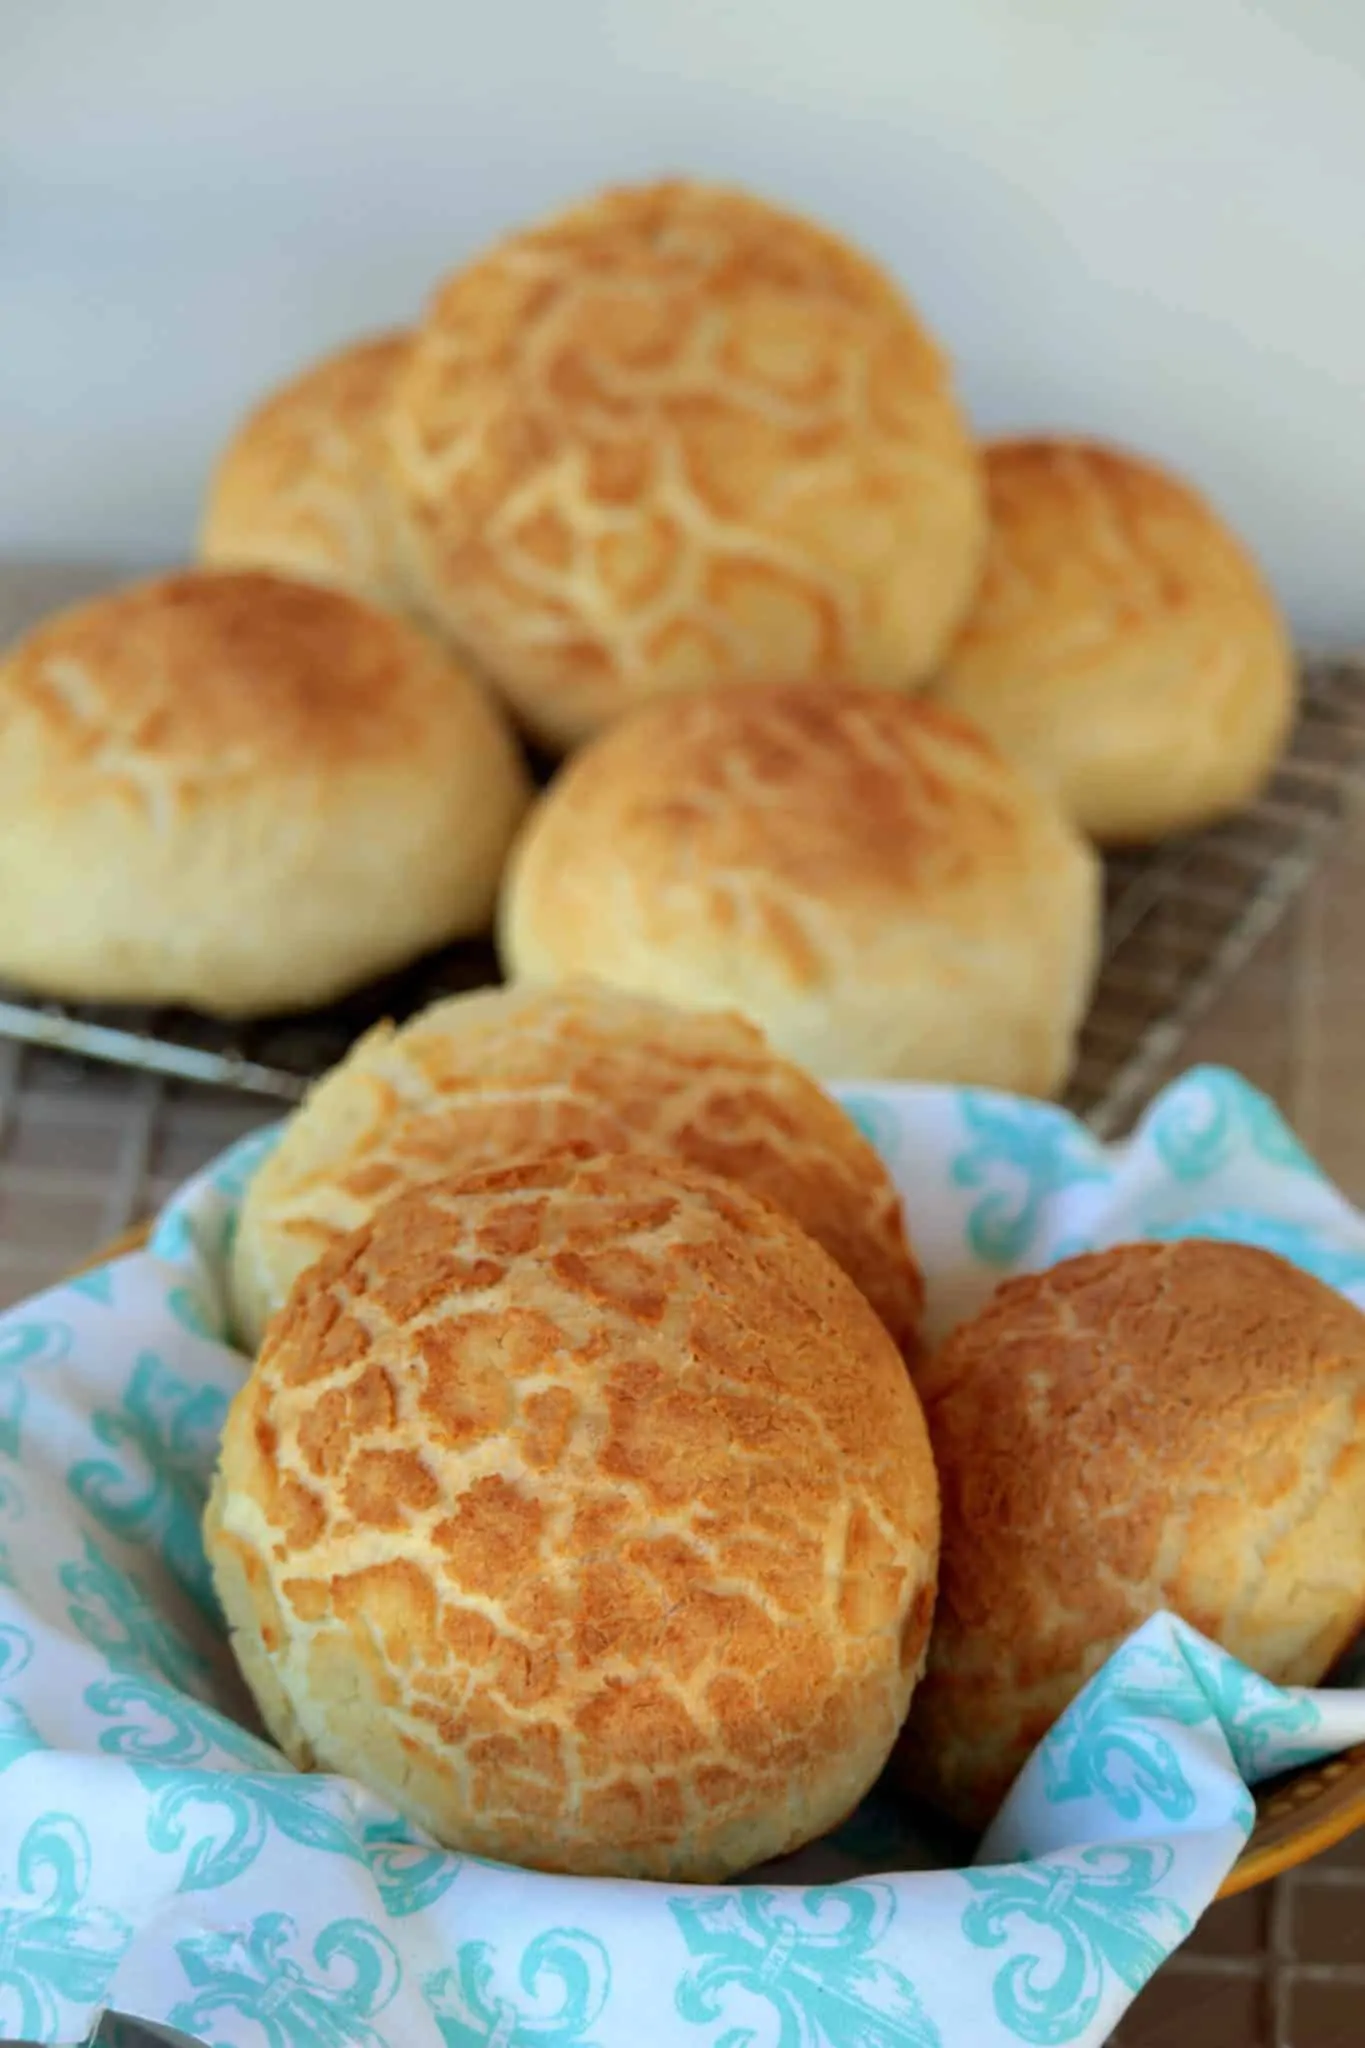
(1089, 542)
(1177, 1425)
(208, 677)
(1123, 644)
(299, 487)
(244, 794)
(590, 1506)
(487, 1077)
(787, 823)
(676, 436)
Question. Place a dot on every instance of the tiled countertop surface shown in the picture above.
(86, 1151)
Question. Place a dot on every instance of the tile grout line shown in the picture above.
(1331, 1877)
(1280, 1960)
(1243, 1969)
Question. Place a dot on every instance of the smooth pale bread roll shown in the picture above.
(1123, 645)
(1159, 1426)
(859, 873)
(586, 1512)
(300, 486)
(241, 794)
(483, 1078)
(675, 437)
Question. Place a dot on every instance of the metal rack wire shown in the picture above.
(1180, 921)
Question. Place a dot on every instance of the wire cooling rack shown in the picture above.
(1180, 921)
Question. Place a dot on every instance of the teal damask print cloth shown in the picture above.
(158, 1856)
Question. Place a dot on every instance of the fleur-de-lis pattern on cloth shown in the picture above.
(1021, 1156)
(165, 1433)
(1171, 1728)
(11, 1511)
(409, 1875)
(220, 1821)
(117, 1617)
(254, 1977)
(555, 1997)
(57, 1953)
(1267, 1727)
(23, 1346)
(96, 1285)
(159, 1855)
(1212, 1119)
(812, 1957)
(1079, 1928)
(18, 1736)
(1110, 1741)
(152, 1722)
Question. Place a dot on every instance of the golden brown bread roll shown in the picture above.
(480, 1079)
(859, 873)
(240, 793)
(585, 1512)
(1158, 1426)
(300, 486)
(1123, 646)
(675, 437)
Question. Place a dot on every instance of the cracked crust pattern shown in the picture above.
(486, 1078)
(299, 487)
(673, 438)
(239, 792)
(859, 873)
(587, 1512)
(1177, 1425)
(1123, 645)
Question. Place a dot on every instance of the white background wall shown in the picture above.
(1145, 217)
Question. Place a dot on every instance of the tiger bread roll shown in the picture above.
(586, 1512)
(673, 438)
(482, 1078)
(860, 874)
(1123, 646)
(242, 794)
(1158, 1426)
(299, 488)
